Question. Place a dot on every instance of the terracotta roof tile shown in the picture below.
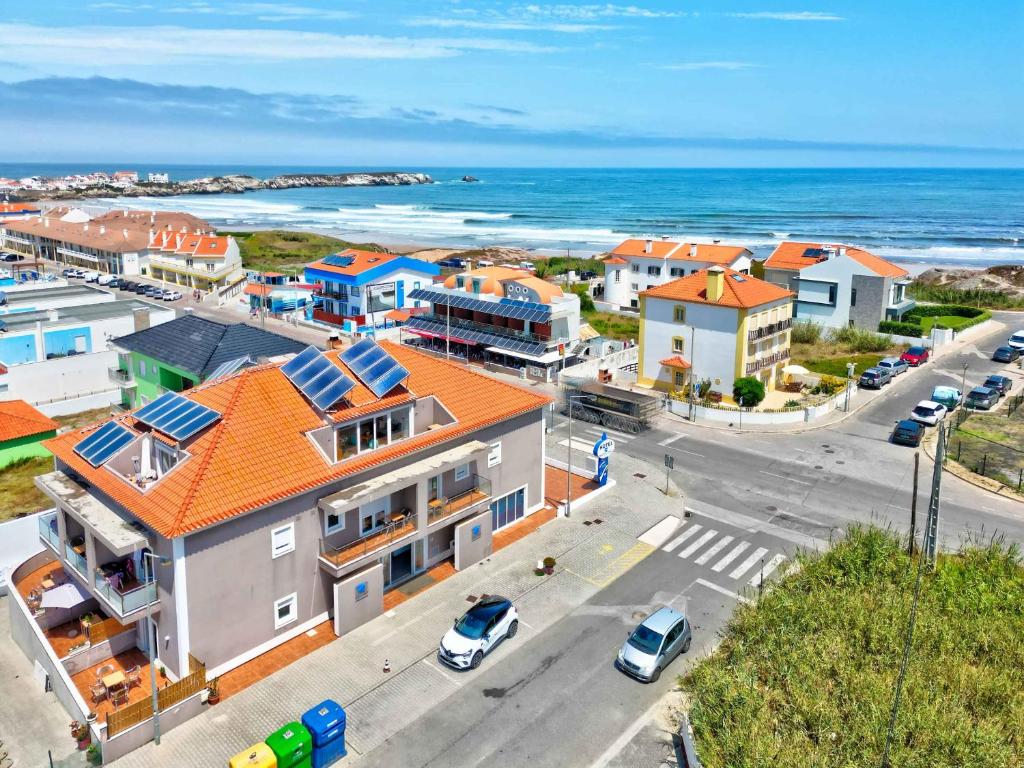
(710, 253)
(676, 362)
(361, 261)
(258, 452)
(794, 256)
(19, 419)
(738, 290)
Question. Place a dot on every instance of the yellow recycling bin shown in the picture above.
(256, 756)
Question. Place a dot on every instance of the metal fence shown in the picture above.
(979, 447)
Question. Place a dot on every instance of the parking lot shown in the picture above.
(149, 290)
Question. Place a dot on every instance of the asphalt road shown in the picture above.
(558, 700)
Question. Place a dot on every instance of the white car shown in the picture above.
(171, 295)
(91, 277)
(1016, 341)
(105, 279)
(928, 412)
(477, 631)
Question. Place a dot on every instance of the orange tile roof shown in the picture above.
(545, 291)
(258, 452)
(676, 362)
(790, 255)
(615, 260)
(711, 253)
(746, 292)
(18, 207)
(255, 289)
(398, 315)
(362, 261)
(19, 419)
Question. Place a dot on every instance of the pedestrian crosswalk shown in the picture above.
(583, 441)
(722, 552)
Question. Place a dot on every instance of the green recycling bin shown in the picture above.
(293, 746)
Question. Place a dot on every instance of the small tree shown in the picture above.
(749, 389)
(586, 301)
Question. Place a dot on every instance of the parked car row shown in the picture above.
(113, 281)
(8, 256)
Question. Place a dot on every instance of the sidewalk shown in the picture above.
(857, 401)
(590, 555)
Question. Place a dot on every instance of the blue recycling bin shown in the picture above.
(326, 723)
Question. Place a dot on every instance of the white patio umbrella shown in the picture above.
(65, 596)
(795, 370)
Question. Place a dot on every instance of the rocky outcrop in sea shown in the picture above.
(232, 184)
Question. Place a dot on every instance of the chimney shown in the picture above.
(693, 250)
(103, 230)
(842, 250)
(152, 217)
(648, 245)
(46, 221)
(85, 227)
(124, 233)
(716, 283)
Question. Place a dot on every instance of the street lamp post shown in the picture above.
(568, 478)
(153, 639)
(850, 367)
(963, 381)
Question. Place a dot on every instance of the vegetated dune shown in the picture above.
(1005, 278)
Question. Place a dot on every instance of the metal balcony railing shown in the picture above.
(444, 507)
(769, 330)
(127, 601)
(384, 537)
(121, 376)
(767, 361)
(48, 531)
(75, 559)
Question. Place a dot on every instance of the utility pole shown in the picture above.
(568, 451)
(669, 465)
(913, 507)
(963, 381)
(693, 372)
(849, 377)
(931, 532)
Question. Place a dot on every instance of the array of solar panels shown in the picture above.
(98, 447)
(377, 369)
(317, 378)
(517, 310)
(509, 343)
(337, 260)
(177, 417)
(229, 366)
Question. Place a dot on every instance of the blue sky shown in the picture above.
(436, 82)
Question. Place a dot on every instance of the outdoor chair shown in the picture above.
(119, 697)
(98, 692)
(105, 670)
(134, 676)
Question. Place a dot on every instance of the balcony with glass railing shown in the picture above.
(121, 377)
(448, 506)
(49, 532)
(124, 597)
(373, 543)
(74, 553)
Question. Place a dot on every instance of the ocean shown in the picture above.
(920, 216)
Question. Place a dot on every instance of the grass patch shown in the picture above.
(834, 348)
(77, 420)
(806, 678)
(974, 297)
(278, 250)
(835, 365)
(946, 321)
(990, 442)
(18, 493)
(614, 326)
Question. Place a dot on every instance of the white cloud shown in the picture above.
(697, 65)
(265, 11)
(593, 11)
(542, 18)
(112, 46)
(790, 15)
(504, 24)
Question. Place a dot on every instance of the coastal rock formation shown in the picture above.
(1005, 278)
(470, 178)
(232, 184)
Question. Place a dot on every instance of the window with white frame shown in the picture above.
(285, 610)
(334, 521)
(461, 472)
(635, 268)
(282, 540)
(494, 455)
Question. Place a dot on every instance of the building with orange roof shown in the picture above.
(505, 317)
(195, 259)
(22, 430)
(356, 289)
(635, 265)
(18, 210)
(716, 325)
(287, 494)
(838, 285)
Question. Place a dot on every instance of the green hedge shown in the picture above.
(900, 329)
(937, 310)
(951, 315)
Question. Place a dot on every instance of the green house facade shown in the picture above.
(22, 432)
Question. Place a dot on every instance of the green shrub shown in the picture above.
(860, 340)
(938, 310)
(901, 329)
(977, 297)
(586, 301)
(805, 332)
(792, 404)
(749, 389)
(829, 385)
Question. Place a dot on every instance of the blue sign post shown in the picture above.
(603, 448)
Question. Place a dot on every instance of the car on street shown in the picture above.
(981, 398)
(907, 432)
(76, 273)
(13, 257)
(588, 274)
(950, 397)
(142, 288)
(1001, 384)
(152, 292)
(653, 644)
(875, 378)
(128, 285)
(91, 276)
(452, 263)
(66, 272)
(478, 631)
(1006, 354)
(105, 279)
(894, 365)
(915, 356)
(928, 412)
(1017, 341)
(172, 295)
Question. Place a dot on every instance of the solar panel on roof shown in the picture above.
(333, 392)
(391, 379)
(300, 360)
(377, 369)
(357, 349)
(317, 378)
(317, 366)
(336, 260)
(176, 416)
(229, 367)
(437, 328)
(103, 443)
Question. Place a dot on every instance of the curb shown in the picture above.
(959, 471)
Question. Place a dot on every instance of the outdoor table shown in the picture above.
(114, 680)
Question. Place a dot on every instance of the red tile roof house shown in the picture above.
(275, 511)
(839, 285)
(22, 430)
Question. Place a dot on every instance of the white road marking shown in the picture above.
(747, 564)
(721, 544)
(783, 477)
(723, 591)
(681, 538)
(670, 440)
(626, 736)
(683, 450)
(578, 445)
(658, 534)
(770, 566)
(620, 435)
(733, 554)
(440, 671)
(698, 544)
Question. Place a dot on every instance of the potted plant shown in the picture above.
(162, 671)
(213, 686)
(80, 733)
(93, 755)
(549, 565)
